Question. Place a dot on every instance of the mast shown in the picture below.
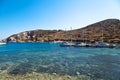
(102, 33)
(65, 35)
(71, 35)
(84, 40)
(85, 36)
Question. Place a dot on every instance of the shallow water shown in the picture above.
(23, 58)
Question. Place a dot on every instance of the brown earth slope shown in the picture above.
(110, 29)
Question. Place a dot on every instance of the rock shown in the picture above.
(77, 73)
(54, 73)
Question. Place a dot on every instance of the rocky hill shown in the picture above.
(106, 30)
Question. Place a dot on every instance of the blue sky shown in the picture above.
(21, 15)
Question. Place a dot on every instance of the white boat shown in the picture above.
(81, 45)
(2, 43)
(67, 44)
(57, 41)
(84, 42)
(103, 45)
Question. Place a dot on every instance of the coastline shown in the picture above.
(41, 76)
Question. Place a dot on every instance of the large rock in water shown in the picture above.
(110, 29)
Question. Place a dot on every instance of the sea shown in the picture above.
(51, 58)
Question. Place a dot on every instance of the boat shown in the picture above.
(67, 44)
(118, 46)
(57, 41)
(103, 45)
(2, 43)
(82, 44)
(100, 44)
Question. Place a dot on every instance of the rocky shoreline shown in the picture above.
(42, 76)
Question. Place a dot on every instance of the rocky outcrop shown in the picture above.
(35, 35)
(107, 30)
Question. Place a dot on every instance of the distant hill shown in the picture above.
(110, 29)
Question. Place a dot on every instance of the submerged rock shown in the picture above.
(22, 69)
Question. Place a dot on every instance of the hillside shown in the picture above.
(110, 29)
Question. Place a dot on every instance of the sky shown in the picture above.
(23, 15)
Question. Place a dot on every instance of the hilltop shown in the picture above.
(109, 27)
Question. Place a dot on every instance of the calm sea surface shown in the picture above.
(23, 58)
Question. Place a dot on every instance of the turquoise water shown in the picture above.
(23, 58)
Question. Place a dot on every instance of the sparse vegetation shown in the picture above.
(110, 27)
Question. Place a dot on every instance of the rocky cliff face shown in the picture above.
(107, 30)
(34, 35)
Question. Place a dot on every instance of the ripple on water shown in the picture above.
(51, 58)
